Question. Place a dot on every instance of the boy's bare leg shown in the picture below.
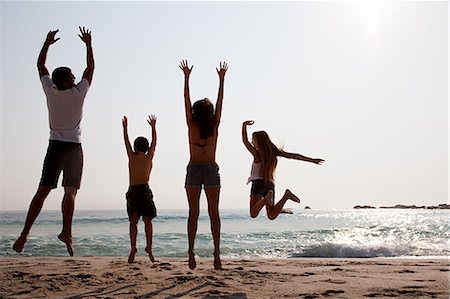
(133, 235)
(33, 211)
(275, 210)
(193, 195)
(149, 237)
(68, 206)
(212, 195)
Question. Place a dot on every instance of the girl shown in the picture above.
(202, 170)
(265, 155)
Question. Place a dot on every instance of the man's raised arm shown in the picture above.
(43, 54)
(87, 39)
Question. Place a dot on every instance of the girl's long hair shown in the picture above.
(268, 152)
(203, 114)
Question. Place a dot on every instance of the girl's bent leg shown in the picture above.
(275, 210)
(257, 202)
(193, 195)
(212, 195)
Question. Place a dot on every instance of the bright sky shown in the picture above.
(363, 85)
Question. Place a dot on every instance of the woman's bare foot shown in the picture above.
(20, 243)
(217, 262)
(291, 196)
(68, 241)
(131, 256)
(150, 254)
(192, 262)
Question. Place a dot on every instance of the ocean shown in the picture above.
(306, 233)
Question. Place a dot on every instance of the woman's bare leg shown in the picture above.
(193, 195)
(212, 195)
(257, 202)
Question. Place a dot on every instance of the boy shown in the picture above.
(139, 196)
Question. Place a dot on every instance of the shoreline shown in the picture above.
(106, 277)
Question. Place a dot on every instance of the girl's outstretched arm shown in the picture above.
(247, 143)
(221, 72)
(187, 98)
(300, 157)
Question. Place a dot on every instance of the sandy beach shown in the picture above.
(113, 277)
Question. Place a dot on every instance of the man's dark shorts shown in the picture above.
(259, 187)
(204, 175)
(65, 157)
(140, 200)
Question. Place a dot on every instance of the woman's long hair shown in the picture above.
(203, 114)
(268, 152)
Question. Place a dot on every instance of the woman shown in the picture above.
(202, 171)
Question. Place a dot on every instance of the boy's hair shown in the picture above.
(268, 152)
(60, 76)
(203, 114)
(141, 144)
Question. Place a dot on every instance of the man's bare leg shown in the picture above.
(33, 211)
(68, 206)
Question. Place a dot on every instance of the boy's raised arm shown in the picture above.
(42, 69)
(125, 136)
(152, 122)
(87, 39)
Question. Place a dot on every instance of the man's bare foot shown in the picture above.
(217, 262)
(150, 254)
(192, 262)
(68, 241)
(291, 196)
(19, 244)
(131, 256)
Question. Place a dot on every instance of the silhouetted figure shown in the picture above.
(202, 171)
(65, 101)
(139, 196)
(265, 155)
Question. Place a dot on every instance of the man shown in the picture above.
(64, 153)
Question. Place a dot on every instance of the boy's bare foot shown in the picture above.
(192, 262)
(217, 262)
(19, 244)
(131, 256)
(150, 254)
(291, 196)
(68, 241)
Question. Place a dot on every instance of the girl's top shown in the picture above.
(255, 173)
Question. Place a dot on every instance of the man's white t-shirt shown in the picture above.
(65, 109)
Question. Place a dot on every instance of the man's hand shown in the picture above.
(85, 35)
(124, 122)
(223, 69)
(51, 37)
(185, 68)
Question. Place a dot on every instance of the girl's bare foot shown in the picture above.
(68, 241)
(291, 196)
(150, 254)
(131, 256)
